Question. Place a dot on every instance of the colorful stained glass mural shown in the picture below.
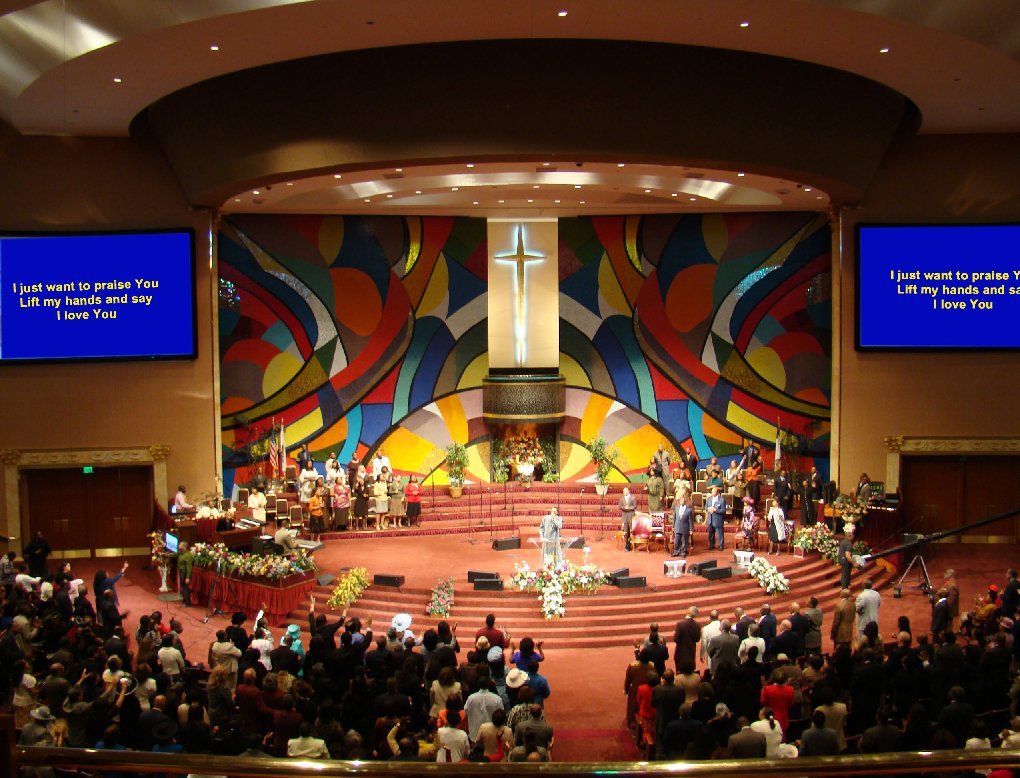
(358, 333)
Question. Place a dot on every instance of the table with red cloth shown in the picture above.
(249, 594)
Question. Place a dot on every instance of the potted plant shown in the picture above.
(500, 464)
(603, 457)
(456, 464)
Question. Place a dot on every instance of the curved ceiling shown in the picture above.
(89, 67)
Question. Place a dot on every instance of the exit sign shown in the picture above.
(87, 470)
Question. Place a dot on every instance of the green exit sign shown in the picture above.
(87, 470)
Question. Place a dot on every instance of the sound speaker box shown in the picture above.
(384, 579)
(577, 542)
(476, 575)
(708, 563)
(325, 579)
(715, 573)
(618, 573)
(488, 585)
(631, 582)
(506, 544)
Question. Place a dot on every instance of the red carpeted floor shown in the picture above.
(587, 704)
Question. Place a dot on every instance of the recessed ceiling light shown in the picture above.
(745, 25)
(417, 191)
(255, 191)
(647, 191)
(502, 201)
(740, 175)
(583, 202)
(674, 194)
(545, 164)
(455, 189)
(694, 199)
(577, 186)
(807, 188)
(336, 175)
(561, 14)
(237, 199)
(367, 200)
(470, 164)
(214, 47)
(620, 164)
(884, 50)
(535, 186)
(390, 196)
(531, 201)
(556, 201)
(398, 169)
(290, 183)
(475, 202)
(118, 80)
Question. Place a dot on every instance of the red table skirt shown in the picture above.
(248, 596)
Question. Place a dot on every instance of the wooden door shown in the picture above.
(104, 513)
(932, 493)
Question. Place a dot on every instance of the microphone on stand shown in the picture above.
(581, 513)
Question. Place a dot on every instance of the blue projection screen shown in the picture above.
(938, 286)
(97, 296)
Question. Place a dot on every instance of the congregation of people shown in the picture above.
(808, 683)
(79, 675)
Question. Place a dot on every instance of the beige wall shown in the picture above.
(927, 180)
(64, 183)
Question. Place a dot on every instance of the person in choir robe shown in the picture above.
(382, 502)
(361, 492)
(381, 464)
(257, 505)
(352, 470)
(306, 485)
(181, 503)
(340, 502)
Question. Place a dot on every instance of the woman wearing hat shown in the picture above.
(777, 526)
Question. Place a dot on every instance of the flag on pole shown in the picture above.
(283, 453)
(274, 462)
(779, 446)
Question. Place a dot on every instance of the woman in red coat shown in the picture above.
(412, 498)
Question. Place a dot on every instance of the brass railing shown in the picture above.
(849, 766)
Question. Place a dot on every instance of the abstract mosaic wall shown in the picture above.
(358, 333)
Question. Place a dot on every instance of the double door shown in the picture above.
(105, 513)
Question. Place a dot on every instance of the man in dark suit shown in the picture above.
(742, 622)
(819, 740)
(883, 737)
(679, 733)
(958, 715)
(783, 491)
(767, 626)
(683, 517)
(1010, 596)
(687, 638)
(715, 516)
(813, 486)
(746, 743)
(723, 647)
(667, 698)
(786, 642)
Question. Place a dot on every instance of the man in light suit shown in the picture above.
(550, 533)
(868, 602)
(628, 504)
(715, 514)
(682, 520)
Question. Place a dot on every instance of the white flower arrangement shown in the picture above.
(768, 576)
(554, 582)
(207, 512)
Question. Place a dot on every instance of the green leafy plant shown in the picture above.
(500, 464)
(349, 588)
(603, 456)
(550, 476)
(456, 463)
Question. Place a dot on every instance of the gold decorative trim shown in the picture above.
(159, 453)
(10, 456)
(893, 442)
(117, 552)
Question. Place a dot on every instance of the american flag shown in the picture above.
(274, 453)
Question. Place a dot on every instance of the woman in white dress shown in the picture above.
(770, 728)
(257, 505)
(777, 526)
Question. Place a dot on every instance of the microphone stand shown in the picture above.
(490, 514)
(513, 513)
(581, 538)
(470, 537)
(602, 515)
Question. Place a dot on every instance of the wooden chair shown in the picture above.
(761, 537)
(701, 485)
(658, 536)
(242, 496)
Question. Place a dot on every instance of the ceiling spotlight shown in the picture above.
(745, 25)
(502, 201)
(694, 199)
(398, 170)
(470, 164)
(455, 189)
(336, 175)
(620, 164)
(534, 186)
(577, 186)
(740, 175)
(556, 201)
(647, 191)
(475, 202)
(255, 191)
(367, 200)
(237, 199)
(290, 183)
(583, 202)
(673, 194)
(545, 164)
(417, 191)
(807, 188)
(214, 47)
(561, 14)
(118, 80)
(389, 196)
(531, 201)
(884, 50)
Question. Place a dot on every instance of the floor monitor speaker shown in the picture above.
(506, 544)
(488, 585)
(631, 582)
(476, 575)
(385, 579)
(715, 573)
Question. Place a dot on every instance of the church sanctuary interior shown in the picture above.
(667, 339)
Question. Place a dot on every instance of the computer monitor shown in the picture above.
(171, 542)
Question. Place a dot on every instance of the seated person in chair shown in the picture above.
(284, 539)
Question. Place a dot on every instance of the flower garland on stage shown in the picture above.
(554, 582)
(442, 599)
(768, 576)
(157, 549)
(271, 566)
(349, 588)
(818, 537)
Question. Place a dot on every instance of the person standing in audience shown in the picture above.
(686, 639)
(753, 471)
(628, 505)
(867, 605)
(845, 555)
